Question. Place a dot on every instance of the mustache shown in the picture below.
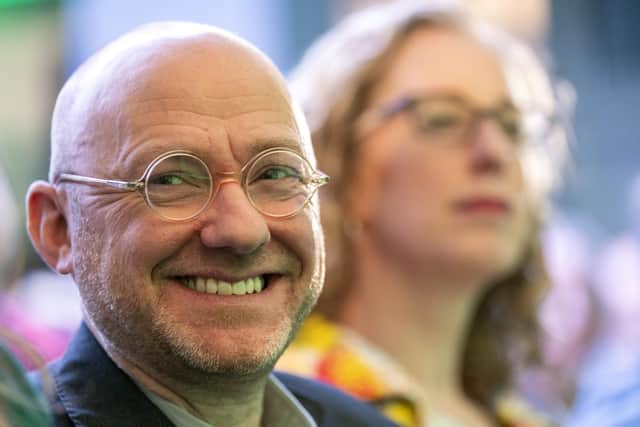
(273, 258)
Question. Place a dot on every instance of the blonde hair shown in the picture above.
(333, 83)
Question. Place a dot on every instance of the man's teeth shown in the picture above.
(220, 287)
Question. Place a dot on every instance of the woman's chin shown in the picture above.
(487, 262)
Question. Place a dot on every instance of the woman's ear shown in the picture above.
(47, 226)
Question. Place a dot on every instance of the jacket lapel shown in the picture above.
(96, 393)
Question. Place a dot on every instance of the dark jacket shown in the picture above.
(91, 391)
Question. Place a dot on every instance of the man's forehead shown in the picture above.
(210, 125)
(250, 102)
(224, 104)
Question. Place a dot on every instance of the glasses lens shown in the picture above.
(441, 118)
(178, 186)
(448, 119)
(510, 121)
(279, 183)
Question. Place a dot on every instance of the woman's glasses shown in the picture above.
(444, 118)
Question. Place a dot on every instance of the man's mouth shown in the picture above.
(213, 286)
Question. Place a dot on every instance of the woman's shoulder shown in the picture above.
(513, 410)
(335, 355)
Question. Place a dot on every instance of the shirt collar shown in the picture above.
(280, 408)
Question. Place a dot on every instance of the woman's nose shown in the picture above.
(490, 147)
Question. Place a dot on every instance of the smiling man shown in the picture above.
(181, 198)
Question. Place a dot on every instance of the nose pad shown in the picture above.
(231, 221)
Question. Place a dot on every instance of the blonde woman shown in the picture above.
(442, 141)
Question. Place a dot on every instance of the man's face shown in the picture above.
(133, 266)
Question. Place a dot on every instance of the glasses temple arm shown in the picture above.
(122, 185)
(319, 178)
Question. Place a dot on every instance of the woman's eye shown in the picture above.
(442, 121)
(512, 129)
(511, 126)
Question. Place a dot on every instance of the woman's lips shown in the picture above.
(483, 205)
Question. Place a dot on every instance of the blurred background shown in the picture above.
(592, 238)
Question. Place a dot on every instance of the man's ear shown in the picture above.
(47, 226)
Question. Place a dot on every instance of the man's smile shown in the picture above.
(211, 285)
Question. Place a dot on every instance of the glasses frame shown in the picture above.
(374, 117)
(140, 185)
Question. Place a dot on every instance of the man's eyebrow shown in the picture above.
(261, 145)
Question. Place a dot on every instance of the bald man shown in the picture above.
(182, 200)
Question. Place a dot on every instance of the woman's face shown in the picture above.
(433, 198)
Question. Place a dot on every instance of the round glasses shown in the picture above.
(178, 185)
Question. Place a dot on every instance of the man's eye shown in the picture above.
(174, 179)
(280, 172)
(168, 180)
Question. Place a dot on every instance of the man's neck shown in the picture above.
(220, 403)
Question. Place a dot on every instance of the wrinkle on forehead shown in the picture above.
(145, 68)
(242, 120)
(220, 107)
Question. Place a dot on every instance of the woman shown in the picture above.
(435, 131)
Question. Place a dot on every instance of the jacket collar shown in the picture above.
(95, 392)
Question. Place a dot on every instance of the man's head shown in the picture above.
(154, 288)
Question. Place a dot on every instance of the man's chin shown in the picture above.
(241, 362)
(234, 346)
(235, 369)
(222, 356)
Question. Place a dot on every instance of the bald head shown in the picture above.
(156, 61)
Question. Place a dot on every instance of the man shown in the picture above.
(181, 198)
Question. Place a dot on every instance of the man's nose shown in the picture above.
(231, 221)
